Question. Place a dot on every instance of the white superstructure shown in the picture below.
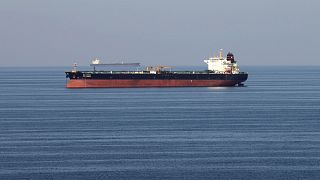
(222, 65)
(96, 61)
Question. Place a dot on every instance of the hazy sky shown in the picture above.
(166, 32)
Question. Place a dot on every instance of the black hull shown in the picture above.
(163, 76)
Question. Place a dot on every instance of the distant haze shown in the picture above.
(166, 32)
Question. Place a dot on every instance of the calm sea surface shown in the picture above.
(267, 130)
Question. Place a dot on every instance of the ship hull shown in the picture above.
(135, 83)
(106, 79)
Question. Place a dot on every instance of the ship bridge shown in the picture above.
(223, 65)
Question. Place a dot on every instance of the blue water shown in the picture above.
(269, 129)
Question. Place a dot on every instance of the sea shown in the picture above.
(268, 129)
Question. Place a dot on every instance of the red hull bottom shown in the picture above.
(111, 83)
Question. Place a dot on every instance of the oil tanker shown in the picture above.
(222, 71)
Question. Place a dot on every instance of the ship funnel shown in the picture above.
(230, 57)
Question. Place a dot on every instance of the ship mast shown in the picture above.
(221, 54)
(74, 69)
